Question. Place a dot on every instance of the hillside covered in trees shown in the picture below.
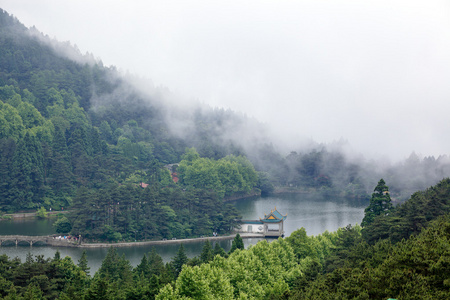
(75, 134)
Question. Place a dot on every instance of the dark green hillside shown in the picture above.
(27, 63)
(412, 216)
(67, 124)
(72, 123)
(136, 129)
(73, 135)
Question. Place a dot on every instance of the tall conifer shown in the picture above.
(27, 173)
(179, 260)
(83, 263)
(380, 203)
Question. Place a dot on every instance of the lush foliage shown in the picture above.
(74, 135)
(37, 278)
(261, 271)
(62, 225)
(54, 138)
(67, 123)
(129, 212)
(226, 176)
(338, 265)
(412, 216)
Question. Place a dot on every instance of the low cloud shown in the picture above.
(374, 73)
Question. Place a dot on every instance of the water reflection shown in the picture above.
(27, 226)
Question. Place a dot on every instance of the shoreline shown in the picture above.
(53, 242)
(166, 242)
(30, 215)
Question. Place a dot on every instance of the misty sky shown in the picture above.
(376, 73)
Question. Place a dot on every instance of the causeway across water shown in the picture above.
(54, 241)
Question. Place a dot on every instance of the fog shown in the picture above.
(373, 73)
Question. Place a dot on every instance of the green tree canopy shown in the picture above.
(380, 204)
(237, 243)
(62, 225)
(179, 260)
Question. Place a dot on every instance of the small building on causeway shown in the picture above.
(272, 225)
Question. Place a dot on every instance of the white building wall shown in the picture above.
(250, 228)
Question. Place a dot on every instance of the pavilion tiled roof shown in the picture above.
(274, 217)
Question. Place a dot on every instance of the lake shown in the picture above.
(315, 213)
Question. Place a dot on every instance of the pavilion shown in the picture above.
(272, 225)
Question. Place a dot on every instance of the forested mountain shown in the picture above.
(68, 122)
(73, 134)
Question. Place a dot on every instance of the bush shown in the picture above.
(41, 213)
(62, 225)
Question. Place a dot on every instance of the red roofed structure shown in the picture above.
(175, 177)
(143, 185)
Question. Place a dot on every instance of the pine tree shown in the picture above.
(57, 256)
(99, 289)
(78, 144)
(61, 171)
(27, 173)
(115, 268)
(207, 252)
(179, 260)
(237, 243)
(380, 204)
(154, 286)
(142, 268)
(7, 149)
(83, 263)
(219, 251)
(155, 263)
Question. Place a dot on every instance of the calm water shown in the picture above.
(27, 227)
(315, 214)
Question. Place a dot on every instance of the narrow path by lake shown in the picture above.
(55, 242)
(168, 242)
(34, 214)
